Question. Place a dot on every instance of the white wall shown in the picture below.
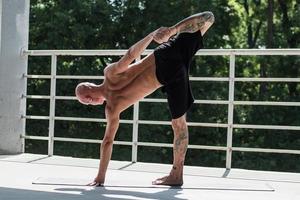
(14, 35)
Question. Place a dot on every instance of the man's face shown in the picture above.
(88, 100)
(86, 95)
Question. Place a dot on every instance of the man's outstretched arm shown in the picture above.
(133, 53)
(160, 35)
(106, 147)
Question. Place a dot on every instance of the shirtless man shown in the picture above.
(126, 83)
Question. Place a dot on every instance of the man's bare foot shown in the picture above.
(168, 180)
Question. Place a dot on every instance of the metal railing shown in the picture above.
(232, 53)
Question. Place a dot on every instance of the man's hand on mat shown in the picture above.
(163, 34)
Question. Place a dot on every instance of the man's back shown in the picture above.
(125, 88)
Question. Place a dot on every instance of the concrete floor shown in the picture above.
(66, 176)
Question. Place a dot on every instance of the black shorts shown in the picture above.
(173, 60)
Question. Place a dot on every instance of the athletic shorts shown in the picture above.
(173, 60)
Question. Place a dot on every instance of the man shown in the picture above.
(126, 83)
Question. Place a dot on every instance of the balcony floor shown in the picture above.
(133, 181)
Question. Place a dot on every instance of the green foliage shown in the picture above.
(117, 24)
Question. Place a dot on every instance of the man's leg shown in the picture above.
(180, 145)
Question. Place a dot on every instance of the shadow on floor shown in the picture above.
(99, 193)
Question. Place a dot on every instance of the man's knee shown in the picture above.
(179, 124)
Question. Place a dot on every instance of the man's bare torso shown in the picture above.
(128, 87)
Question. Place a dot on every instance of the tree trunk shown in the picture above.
(286, 24)
(292, 43)
(251, 31)
(270, 23)
(264, 66)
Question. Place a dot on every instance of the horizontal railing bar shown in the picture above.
(266, 103)
(267, 79)
(215, 125)
(208, 52)
(149, 122)
(36, 96)
(153, 100)
(216, 79)
(78, 77)
(191, 78)
(48, 97)
(64, 139)
(270, 127)
(248, 79)
(224, 102)
(224, 52)
(107, 52)
(36, 76)
(80, 119)
(36, 117)
(151, 144)
(66, 97)
(31, 137)
(154, 122)
(122, 121)
(89, 141)
(218, 148)
(263, 150)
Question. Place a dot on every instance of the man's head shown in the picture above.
(89, 94)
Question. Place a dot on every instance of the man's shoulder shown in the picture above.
(108, 70)
(112, 70)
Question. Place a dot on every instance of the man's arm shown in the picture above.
(106, 146)
(133, 53)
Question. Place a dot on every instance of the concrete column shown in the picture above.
(14, 28)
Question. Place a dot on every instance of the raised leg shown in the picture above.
(180, 144)
(200, 21)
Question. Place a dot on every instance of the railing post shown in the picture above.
(52, 104)
(135, 130)
(230, 111)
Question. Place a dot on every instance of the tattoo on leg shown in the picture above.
(198, 22)
(191, 28)
(178, 143)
